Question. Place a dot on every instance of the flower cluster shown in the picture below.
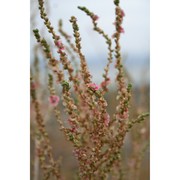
(54, 100)
(93, 86)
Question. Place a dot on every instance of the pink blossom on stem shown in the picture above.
(125, 115)
(121, 30)
(73, 129)
(59, 45)
(95, 17)
(122, 13)
(105, 83)
(61, 51)
(93, 86)
(54, 100)
(61, 48)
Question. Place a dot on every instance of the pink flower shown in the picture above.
(125, 115)
(54, 100)
(61, 51)
(122, 13)
(73, 129)
(106, 119)
(105, 83)
(93, 86)
(95, 17)
(59, 45)
(61, 48)
(121, 30)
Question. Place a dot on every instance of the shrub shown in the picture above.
(97, 136)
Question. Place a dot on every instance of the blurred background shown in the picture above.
(134, 42)
(135, 54)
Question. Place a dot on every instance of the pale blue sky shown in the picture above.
(134, 43)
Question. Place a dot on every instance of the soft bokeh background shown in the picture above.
(134, 42)
(135, 53)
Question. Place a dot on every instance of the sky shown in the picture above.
(134, 42)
